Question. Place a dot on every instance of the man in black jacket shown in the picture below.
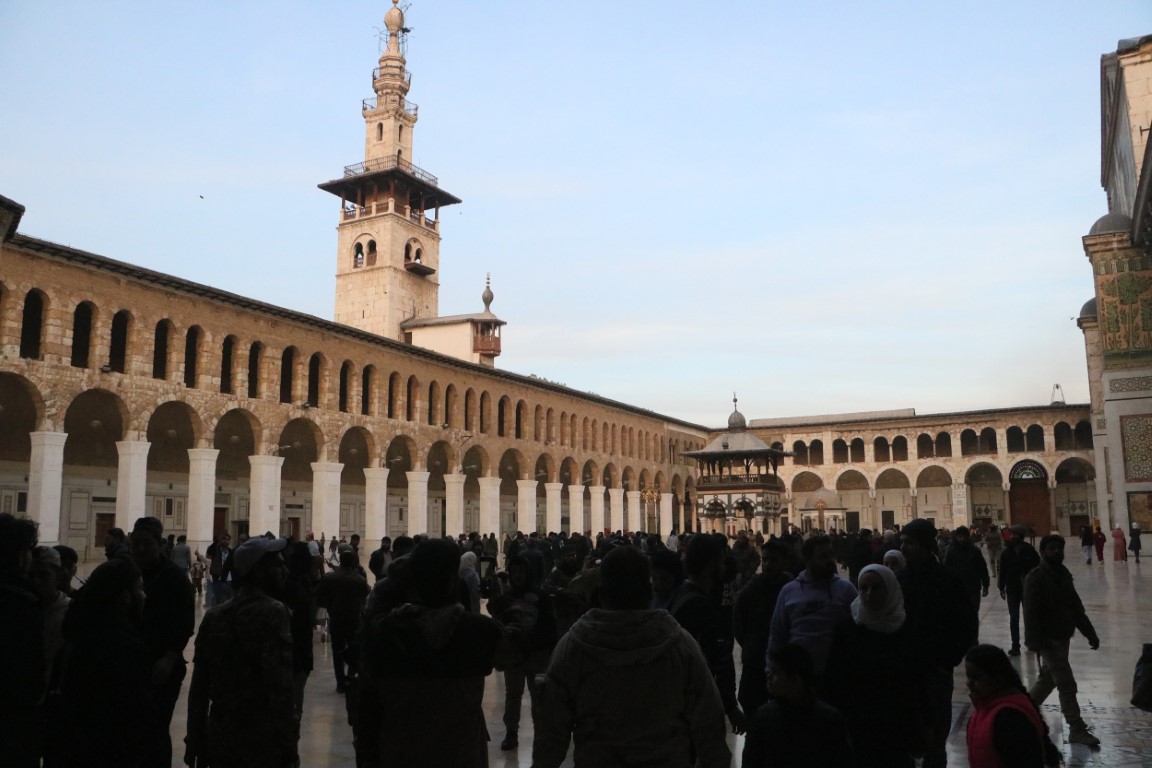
(1017, 559)
(169, 620)
(942, 625)
(967, 560)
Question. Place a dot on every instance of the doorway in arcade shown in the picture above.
(1029, 498)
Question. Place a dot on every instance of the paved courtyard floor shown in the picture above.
(1114, 594)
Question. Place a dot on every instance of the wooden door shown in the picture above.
(219, 522)
(105, 521)
(1029, 502)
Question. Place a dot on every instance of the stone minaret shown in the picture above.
(388, 250)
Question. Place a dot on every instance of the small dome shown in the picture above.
(824, 498)
(487, 296)
(737, 421)
(1111, 223)
(1089, 308)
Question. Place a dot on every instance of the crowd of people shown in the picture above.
(625, 644)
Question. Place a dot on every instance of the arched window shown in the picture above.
(880, 451)
(393, 395)
(800, 453)
(943, 445)
(287, 372)
(227, 355)
(816, 452)
(433, 403)
(32, 325)
(485, 415)
(118, 344)
(191, 355)
(412, 396)
(371, 253)
(315, 369)
(900, 448)
(367, 390)
(417, 257)
(357, 256)
(470, 410)
(925, 447)
(254, 353)
(160, 350)
(81, 334)
(1035, 438)
(987, 440)
(400, 132)
(379, 131)
(345, 376)
(856, 451)
(407, 252)
(501, 416)
(839, 451)
(1082, 436)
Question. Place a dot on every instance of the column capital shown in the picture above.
(203, 454)
(49, 438)
(596, 489)
(327, 466)
(257, 460)
(418, 477)
(133, 447)
(526, 484)
(489, 482)
(454, 480)
(380, 474)
(554, 486)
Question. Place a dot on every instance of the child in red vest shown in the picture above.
(1005, 728)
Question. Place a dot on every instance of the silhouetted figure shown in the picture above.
(241, 703)
(21, 646)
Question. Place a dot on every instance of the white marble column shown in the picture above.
(375, 505)
(555, 510)
(326, 497)
(417, 502)
(490, 505)
(526, 506)
(453, 504)
(635, 518)
(596, 509)
(575, 509)
(201, 496)
(46, 483)
(615, 519)
(131, 481)
(264, 495)
(665, 514)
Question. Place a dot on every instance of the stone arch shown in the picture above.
(892, 478)
(288, 361)
(33, 322)
(545, 471)
(1028, 469)
(21, 412)
(934, 476)
(569, 471)
(357, 452)
(610, 476)
(852, 480)
(95, 420)
(434, 404)
(984, 473)
(344, 387)
(236, 435)
(943, 445)
(476, 462)
(645, 479)
(84, 318)
(856, 450)
(1034, 438)
(395, 394)
(590, 473)
(541, 427)
(899, 448)
(451, 407)
(173, 428)
(839, 451)
(439, 461)
(806, 482)
(925, 446)
(628, 479)
(1075, 470)
(521, 422)
(514, 465)
(505, 417)
(301, 442)
(800, 453)
(400, 458)
(412, 399)
(368, 398)
(484, 413)
(471, 410)
(1082, 436)
(881, 450)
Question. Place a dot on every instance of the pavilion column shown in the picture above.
(454, 505)
(326, 496)
(616, 509)
(596, 509)
(264, 494)
(665, 514)
(635, 523)
(526, 506)
(201, 496)
(575, 509)
(417, 502)
(131, 482)
(1007, 503)
(46, 483)
(554, 512)
(490, 505)
(375, 505)
(1052, 505)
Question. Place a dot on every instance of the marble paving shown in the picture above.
(1113, 593)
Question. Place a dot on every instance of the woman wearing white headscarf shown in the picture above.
(867, 678)
(470, 581)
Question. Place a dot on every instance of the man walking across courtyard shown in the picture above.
(1052, 614)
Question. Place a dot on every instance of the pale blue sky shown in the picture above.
(825, 206)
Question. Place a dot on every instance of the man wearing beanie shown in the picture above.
(1052, 614)
(942, 624)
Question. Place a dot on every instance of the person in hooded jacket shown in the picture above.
(867, 678)
(628, 684)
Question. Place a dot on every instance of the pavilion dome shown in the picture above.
(1089, 308)
(737, 421)
(1111, 223)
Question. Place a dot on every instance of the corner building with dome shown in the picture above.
(127, 392)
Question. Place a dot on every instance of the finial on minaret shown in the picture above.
(394, 21)
(734, 401)
(487, 296)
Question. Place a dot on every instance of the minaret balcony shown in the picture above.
(485, 345)
(377, 74)
(351, 212)
(409, 107)
(387, 163)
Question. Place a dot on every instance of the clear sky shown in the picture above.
(824, 206)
